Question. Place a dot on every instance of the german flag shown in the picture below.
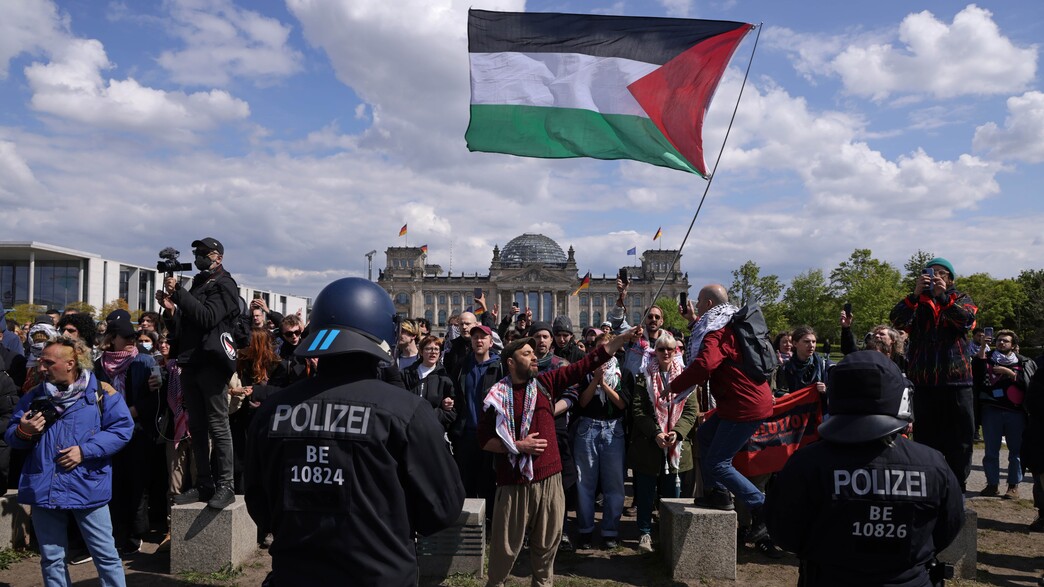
(584, 283)
(424, 248)
(659, 232)
(402, 231)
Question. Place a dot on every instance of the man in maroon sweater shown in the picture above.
(519, 425)
(742, 404)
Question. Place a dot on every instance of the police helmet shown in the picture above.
(350, 315)
(868, 398)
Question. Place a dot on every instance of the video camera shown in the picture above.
(169, 264)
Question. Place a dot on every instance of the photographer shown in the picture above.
(71, 424)
(199, 321)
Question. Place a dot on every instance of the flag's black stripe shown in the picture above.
(642, 38)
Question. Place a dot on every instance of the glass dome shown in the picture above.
(532, 248)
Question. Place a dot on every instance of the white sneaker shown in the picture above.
(645, 543)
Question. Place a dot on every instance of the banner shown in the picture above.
(794, 422)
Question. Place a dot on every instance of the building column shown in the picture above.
(32, 276)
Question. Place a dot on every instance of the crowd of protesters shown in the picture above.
(667, 409)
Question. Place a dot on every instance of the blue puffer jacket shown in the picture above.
(99, 434)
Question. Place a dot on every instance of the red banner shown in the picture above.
(794, 423)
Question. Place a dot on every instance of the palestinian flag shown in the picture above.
(608, 87)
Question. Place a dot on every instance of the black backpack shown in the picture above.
(752, 336)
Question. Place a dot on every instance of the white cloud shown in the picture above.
(18, 179)
(71, 86)
(969, 56)
(677, 8)
(223, 41)
(28, 26)
(1022, 138)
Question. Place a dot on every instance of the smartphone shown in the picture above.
(257, 295)
(623, 276)
(683, 300)
(514, 304)
(157, 371)
(478, 292)
(848, 309)
(988, 331)
(929, 272)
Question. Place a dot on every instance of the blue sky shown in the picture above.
(304, 133)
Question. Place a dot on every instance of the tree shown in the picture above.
(110, 307)
(749, 287)
(808, 302)
(83, 308)
(997, 299)
(913, 267)
(23, 313)
(873, 287)
(1029, 314)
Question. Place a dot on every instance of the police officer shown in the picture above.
(343, 467)
(865, 506)
(199, 322)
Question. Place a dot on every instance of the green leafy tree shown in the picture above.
(872, 286)
(913, 267)
(1029, 314)
(672, 318)
(808, 302)
(750, 287)
(997, 299)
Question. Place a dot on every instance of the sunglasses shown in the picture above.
(294, 333)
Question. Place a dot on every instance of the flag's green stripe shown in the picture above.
(535, 131)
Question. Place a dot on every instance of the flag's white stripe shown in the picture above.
(562, 80)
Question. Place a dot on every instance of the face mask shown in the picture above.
(145, 346)
(203, 263)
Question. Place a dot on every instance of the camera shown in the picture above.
(168, 262)
(43, 406)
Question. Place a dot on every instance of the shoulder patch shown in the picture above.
(108, 389)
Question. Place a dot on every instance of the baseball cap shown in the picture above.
(868, 398)
(484, 329)
(209, 244)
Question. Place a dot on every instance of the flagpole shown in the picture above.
(714, 170)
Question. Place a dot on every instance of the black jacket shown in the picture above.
(865, 514)
(433, 388)
(345, 471)
(210, 303)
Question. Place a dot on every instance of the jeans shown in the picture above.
(720, 440)
(203, 386)
(998, 422)
(645, 489)
(96, 527)
(598, 452)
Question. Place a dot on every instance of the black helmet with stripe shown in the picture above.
(350, 315)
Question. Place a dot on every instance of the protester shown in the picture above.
(1001, 378)
(71, 425)
(806, 367)
(938, 318)
(518, 426)
(429, 380)
(660, 448)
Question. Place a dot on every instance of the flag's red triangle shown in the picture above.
(676, 95)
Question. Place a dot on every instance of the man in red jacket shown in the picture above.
(518, 424)
(741, 406)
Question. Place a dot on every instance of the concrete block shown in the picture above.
(207, 540)
(962, 553)
(461, 548)
(14, 521)
(697, 542)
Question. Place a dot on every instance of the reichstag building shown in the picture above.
(532, 270)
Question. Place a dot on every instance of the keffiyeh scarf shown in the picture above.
(62, 399)
(667, 415)
(714, 319)
(115, 365)
(502, 399)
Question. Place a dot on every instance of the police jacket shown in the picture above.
(204, 311)
(100, 432)
(865, 514)
(345, 470)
